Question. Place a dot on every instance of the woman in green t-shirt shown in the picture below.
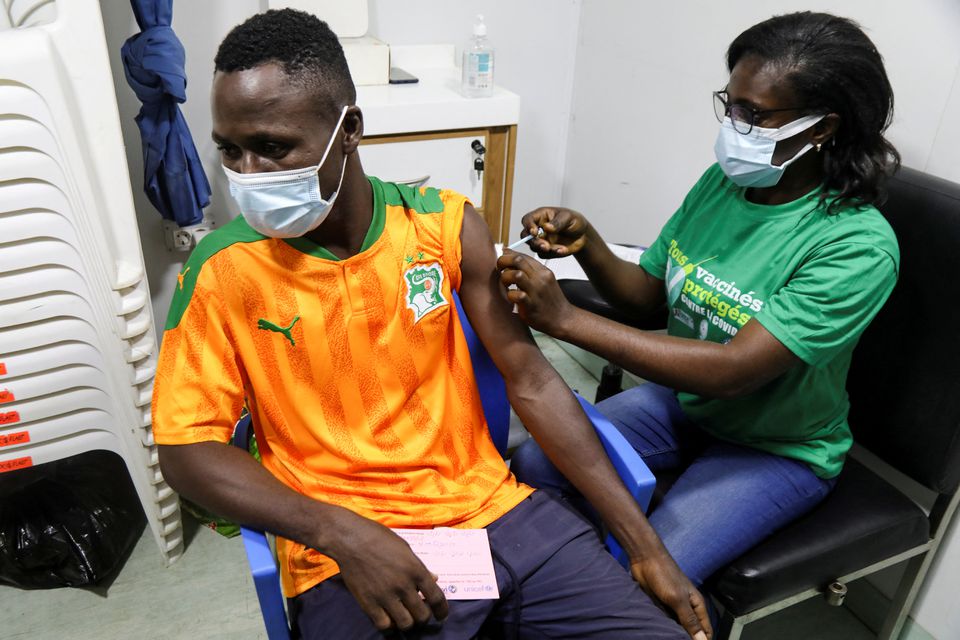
(771, 269)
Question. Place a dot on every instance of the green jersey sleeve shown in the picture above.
(830, 300)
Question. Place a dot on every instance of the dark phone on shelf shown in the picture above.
(399, 76)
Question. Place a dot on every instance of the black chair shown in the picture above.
(904, 387)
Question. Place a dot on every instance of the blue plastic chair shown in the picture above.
(493, 395)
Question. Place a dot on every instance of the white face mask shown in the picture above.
(285, 204)
(747, 158)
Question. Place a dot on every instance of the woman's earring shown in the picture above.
(819, 145)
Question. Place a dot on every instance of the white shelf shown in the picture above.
(432, 104)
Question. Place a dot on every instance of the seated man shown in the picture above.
(326, 309)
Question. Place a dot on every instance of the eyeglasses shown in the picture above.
(742, 116)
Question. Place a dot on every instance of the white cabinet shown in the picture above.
(442, 162)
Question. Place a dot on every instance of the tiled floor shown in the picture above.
(208, 593)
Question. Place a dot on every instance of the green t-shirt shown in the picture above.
(813, 280)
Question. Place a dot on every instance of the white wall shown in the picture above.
(643, 129)
(944, 158)
(644, 73)
(535, 43)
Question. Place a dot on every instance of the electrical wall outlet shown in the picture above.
(177, 238)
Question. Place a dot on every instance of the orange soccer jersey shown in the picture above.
(355, 371)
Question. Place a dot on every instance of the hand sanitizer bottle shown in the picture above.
(477, 78)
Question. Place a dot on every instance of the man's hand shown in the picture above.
(538, 297)
(389, 582)
(661, 578)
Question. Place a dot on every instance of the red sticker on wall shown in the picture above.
(16, 463)
(9, 417)
(6, 396)
(10, 439)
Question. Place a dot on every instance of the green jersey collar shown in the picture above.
(310, 247)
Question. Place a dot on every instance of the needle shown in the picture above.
(526, 239)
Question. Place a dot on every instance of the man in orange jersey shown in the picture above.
(326, 310)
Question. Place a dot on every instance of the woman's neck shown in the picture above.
(799, 179)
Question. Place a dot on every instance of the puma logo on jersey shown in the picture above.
(266, 325)
(180, 277)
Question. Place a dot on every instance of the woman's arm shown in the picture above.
(751, 359)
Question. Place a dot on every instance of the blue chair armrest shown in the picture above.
(634, 473)
(263, 566)
(267, 583)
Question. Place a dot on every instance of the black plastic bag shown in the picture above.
(67, 523)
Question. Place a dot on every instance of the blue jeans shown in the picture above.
(728, 498)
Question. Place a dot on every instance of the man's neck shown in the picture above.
(343, 232)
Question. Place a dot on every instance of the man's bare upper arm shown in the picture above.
(506, 338)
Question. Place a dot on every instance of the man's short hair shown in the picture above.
(300, 43)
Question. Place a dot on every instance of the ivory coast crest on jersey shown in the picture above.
(424, 289)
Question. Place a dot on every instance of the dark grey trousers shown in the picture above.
(555, 578)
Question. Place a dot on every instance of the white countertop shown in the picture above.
(432, 104)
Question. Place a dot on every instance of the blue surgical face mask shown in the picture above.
(747, 158)
(285, 204)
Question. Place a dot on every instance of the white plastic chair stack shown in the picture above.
(77, 343)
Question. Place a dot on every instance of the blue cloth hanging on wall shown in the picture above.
(153, 62)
